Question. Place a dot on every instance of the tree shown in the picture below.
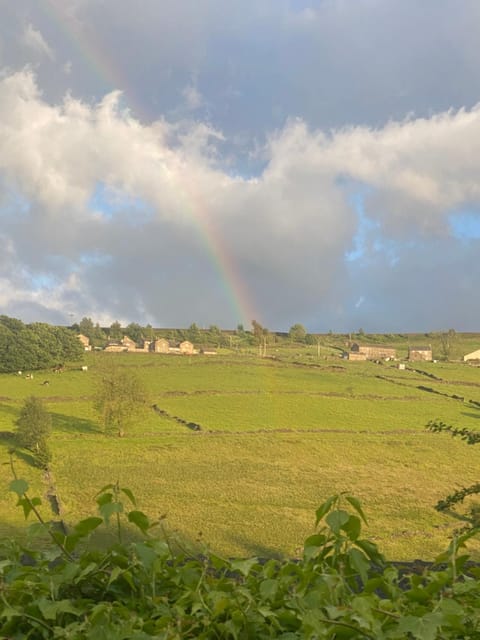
(120, 398)
(35, 346)
(135, 332)
(297, 333)
(257, 331)
(447, 342)
(193, 333)
(87, 328)
(33, 428)
(115, 332)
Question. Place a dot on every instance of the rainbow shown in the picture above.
(107, 71)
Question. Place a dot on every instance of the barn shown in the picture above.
(374, 352)
(417, 354)
(475, 355)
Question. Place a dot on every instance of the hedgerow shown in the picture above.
(155, 587)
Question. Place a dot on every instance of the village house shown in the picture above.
(129, 344)
(352, 355)
(417, 354)
(85, 342)
(373, 352)
(161, 345)
(186, 347)
(475, 355)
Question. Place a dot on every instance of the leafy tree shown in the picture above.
(297, 333)
(149, 333)
(135, 332)
(193, 333)
(99, 336)
(257, 331)
(120, 398)
(33, 428)
(115, 332)
(87, 328)
(35, 346)
(447, 343)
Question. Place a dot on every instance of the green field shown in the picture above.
(278, 435)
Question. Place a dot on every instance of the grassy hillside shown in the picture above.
(278, 436)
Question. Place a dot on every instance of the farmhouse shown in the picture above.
(353, 355)
(161, 345)
(475, 355)
(417, 354)
(186, 347)
(85, 342)
(373, 352)
(128, 344)
(114, 347)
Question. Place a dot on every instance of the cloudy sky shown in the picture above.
(217, 161)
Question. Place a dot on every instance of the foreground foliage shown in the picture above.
(154, 587)
(450, 504)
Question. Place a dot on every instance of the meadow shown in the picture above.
(278, 435)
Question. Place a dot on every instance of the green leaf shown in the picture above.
(424, 628)
(50, 610)
(18, 486)
(130, 495)
(324, 508)
(104, 498)
(26, 506)
(357, 506)
(139, 519)
(336, 519)
(103, 489)
(244, 566)
(268, 589)
(359, 563)
(352, 527)
(370, 549)
(109, 508)
(86, 526)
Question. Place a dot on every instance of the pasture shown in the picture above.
(277, 437)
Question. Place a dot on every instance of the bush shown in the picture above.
(33, 428)
(340, 588)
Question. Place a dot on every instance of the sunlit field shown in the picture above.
(277, 436)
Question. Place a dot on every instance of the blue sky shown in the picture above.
(213, 162)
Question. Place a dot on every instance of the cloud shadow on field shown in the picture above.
(253, 548)
(73, 424)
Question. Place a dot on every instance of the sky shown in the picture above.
(212, 162)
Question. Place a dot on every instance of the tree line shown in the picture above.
(35, 346)
(212, 336)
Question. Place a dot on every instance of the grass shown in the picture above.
(277, 438)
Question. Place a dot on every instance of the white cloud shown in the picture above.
(33, 39)
(144, 219)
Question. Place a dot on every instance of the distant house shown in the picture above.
(129, 344)
(115, 347)
(186, 347)
(373, 352)
(85, 342)
(417, 354)
(160, 346)
(356, 356)
(475, 355)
